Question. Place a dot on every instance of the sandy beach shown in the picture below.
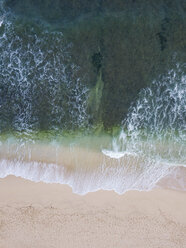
(50, 215)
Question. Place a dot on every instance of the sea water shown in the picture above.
(40, 90)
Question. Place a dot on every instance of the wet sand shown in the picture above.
(50, 215)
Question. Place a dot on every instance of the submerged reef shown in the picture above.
(118, 47)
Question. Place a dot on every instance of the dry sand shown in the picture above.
(50, 215)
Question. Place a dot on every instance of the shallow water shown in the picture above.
(84, 164)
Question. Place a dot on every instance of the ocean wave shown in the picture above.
(120, 175)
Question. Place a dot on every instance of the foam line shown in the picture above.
(82, 182)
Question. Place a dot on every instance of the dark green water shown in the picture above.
(71, 64)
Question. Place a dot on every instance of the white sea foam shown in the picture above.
(108, 176)
(37, 70)
(117, 154)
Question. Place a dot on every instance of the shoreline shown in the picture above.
(51, 215)
(120, 179)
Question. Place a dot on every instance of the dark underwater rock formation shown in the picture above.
(119, 46)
